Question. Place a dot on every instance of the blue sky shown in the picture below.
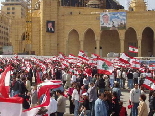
(151, 3)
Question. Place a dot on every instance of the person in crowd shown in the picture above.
(115, 104)
(75, 99)
(112, 79)
(109, 102)
(61, 103)
(123, 111)
(135, 76)
(28, 84)
(15, 86)
(92, 91)
(134, 98)
(64, 77)
(152, 104)
(85, 110)
(68, 80)
(86, 82)
(130, 79)
(100, 107)
(107, 83)
(142, 108)
(101, 84)
(123, 78)
(70, 92)
(73, 79)
(117, 90)
(52, 108)
(23, 89)
(34, 96)
(118, 75)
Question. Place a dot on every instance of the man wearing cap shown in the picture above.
(85, 106)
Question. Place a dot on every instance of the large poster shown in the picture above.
(50, 26)
(113, 20)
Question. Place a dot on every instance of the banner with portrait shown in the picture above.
(50, 26)
(113, 20)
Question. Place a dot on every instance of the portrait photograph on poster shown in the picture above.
(113, 20)
(50, 26)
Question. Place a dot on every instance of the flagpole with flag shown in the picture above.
(133, 49)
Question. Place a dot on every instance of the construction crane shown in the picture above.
(28, 27)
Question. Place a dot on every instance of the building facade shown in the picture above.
(5, 28)
(78, 28)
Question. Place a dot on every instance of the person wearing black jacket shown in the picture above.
(101, 84)
(152, 105)
(22, 89)
(130, 79)
(14, 87)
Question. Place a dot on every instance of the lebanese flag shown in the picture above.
(95, 56)
(71, 56)
(135, 63)
(34, 110)
(125, 58)
(152, 67)
(133, 49)
(50, 84)
(82, 55)
(104, 67)
(11, 106)
(5, 82)
(149, 83)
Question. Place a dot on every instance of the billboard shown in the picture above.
(50, 26)
(113, 20)
(8, 50)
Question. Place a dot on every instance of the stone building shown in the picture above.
(5, 23)
(78, 28)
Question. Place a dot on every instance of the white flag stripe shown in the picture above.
(133, 49)
(10, 109)
(7, 78)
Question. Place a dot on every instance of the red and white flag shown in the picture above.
(149, 83)
(34, 110)
(11, 106)
(82, 55)
(125, 58)
(5, 82)
(104, 67)
(49, 84)
(135, 63)
(133, 49)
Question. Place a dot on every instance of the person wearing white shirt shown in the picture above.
(73, 79)
(112, 78)
(75, 98)
(52, 108)
(123, 79)
(118, 77)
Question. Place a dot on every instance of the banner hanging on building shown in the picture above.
(113, 20)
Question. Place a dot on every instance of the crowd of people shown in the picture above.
(89, 93)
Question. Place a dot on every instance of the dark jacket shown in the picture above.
(15, 85)
(101, 83)
(152, 103)
(130, 76)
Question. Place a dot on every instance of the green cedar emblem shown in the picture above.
(104, 66)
